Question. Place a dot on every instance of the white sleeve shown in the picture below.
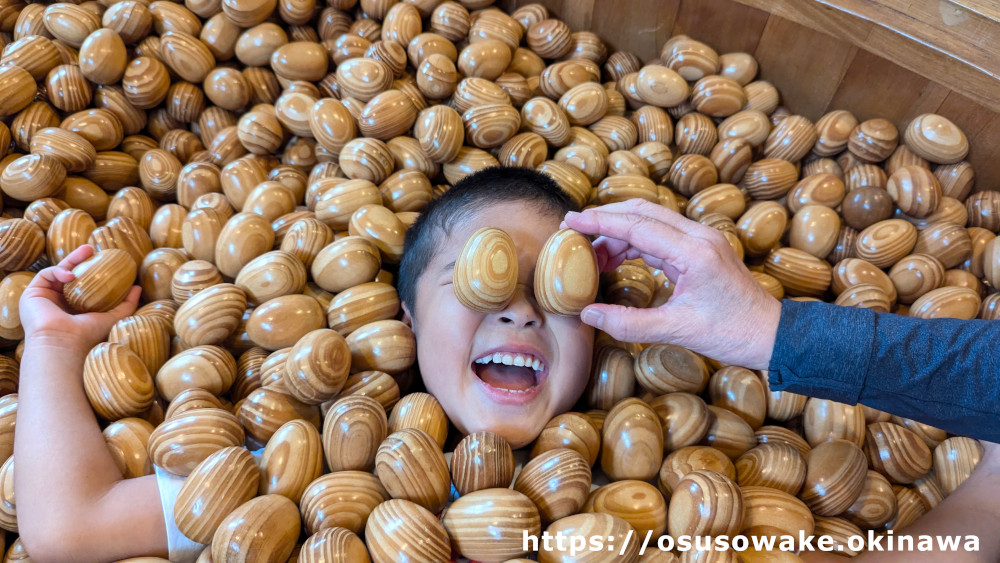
(180, 548)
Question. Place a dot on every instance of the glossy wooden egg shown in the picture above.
(400, 529)
(947, 302)
(835, 476)
(954, 460)
(772, 513)
(741, 391)
(33, 176)
(22, 242)
(482, 460)
(636, 502)
(263, 528)
(814, 230)
(833, 131)
(292, 459)
(936, 138)
(896, 452)
(567, 277)
(915, 190)
(265, 410)
(147, 337)
(616, 531)
(211, 315)
(11, 288)
(190, 399)
(206, 367)
(665, 368)
(362, 304)
(192, 277)
(334, 545)
(244, 237)
(489, 524)
(388, 346)
(127, 441)
(180, 444)
(282, 321)
(685, 419)
(411, 466)
(772, 464)
(825, 420)
(761, 227)
(101, 282)
(354, 428)
(728, 433)
(116, 381)
(800, 273)
(217, 486)
(632, 441)
(684, 460)
(705, 503)
(317, 366)
(341, 499)
(569, 430)
(485, 274)
(557, 481)
(612, 377)
(885, 242)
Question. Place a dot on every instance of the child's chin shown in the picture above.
(517, 435)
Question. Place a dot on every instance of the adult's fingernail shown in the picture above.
(592, 317)
(571, 214)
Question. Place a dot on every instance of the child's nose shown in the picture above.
(522, 311)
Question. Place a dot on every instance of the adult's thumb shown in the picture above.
(628, 324)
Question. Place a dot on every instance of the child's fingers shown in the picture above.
(127, 307)
(74, 258)
(52, 278)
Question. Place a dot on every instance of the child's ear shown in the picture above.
(407, 317)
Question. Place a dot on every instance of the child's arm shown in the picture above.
(972, 510)
(73, 503)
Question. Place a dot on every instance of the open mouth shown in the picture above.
(511, 372)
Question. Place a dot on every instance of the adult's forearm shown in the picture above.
(942, 372)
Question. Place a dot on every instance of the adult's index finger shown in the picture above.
(646, 235)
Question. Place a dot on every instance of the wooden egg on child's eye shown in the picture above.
(411, 466)
(486, 272)
(353, 429)
(632, 441)
(489, 525)
(400, 530)
(219, 484)
(482, 460)
(266, 527)
(116, 381)
(101, 282)
(566, 276)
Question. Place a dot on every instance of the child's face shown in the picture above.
(453, 342)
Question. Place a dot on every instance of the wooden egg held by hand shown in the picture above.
(485, 275)
(566, 276)
(101, 282)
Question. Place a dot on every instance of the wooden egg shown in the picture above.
(954, 460)
(317, 366)
(705, 503)
(206, 367)
(124, 234)
(423, 412)
(948, 242)
(800, 273)
(334, 545)
(244, 237)
(192, 277)
(632, 441)
(223, 481)
(567, 279)
(769, 178)
(265, 527)
(766, 434)
(127, 440)
(200, 232)
(557, 481)
(341, 499)
(623, 187)
(400, 529)
(375, 384)
(116, 382)
(840, 531)
(835, 476)
(685, 419)
(440, 131)
(270, 275)
(612, 377)
(265, 410)
(915, 275)
(936, 138)
(190, 399)
(20, 88)
(353, 429)
(388, 346)
(148, 338)
(101, 282)
(825, 420)
(761, 227)
(915, 190)
(833, 131)
(180, 444)
(489, 525)
(411, 466)
(616, 531)
(584, 103)
(866, 206)
(33, 176)
(21, 243)
(724, 199)
(956, 179)
(865, 296)
(692, 173)
(947, 302)
(11, 289)
(772, 464)
(292, 460)
(636, 502)
(338, 202)
(814, 230)
(773, 513)
(909, 508)
(739, 390)
(885, 242)
(728, 433)
(665, 368)
(305, 238)
(684, 460)
(362, 304)
(696, 134)
(751, 125)
(381, 226)
(717, 96)
(211, 315)
(660, 86)
(876, 504)
(282, 321)
(485, 274)
(483, 460)
(873, 140)
(569, 430)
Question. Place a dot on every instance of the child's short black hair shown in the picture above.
(497, 184)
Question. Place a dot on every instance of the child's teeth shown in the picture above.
(519, 360)
(497, 358)
(507, 360)
(535, 365)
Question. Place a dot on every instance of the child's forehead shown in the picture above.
(522, 220)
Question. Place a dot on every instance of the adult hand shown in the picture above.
(46, 315)
(717, 309)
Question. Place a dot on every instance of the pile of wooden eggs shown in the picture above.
(254, 166)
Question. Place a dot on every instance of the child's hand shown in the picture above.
(717, 309)
(47, 317)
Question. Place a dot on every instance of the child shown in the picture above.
(74, 503)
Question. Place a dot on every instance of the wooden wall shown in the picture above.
(865, 56)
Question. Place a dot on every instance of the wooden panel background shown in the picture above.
(875, 58)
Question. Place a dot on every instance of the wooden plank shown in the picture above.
(816, 16)
(804, 66)
(724, 25)
(984, 154)
(639, 26)
(986, 8)
(874, 87)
